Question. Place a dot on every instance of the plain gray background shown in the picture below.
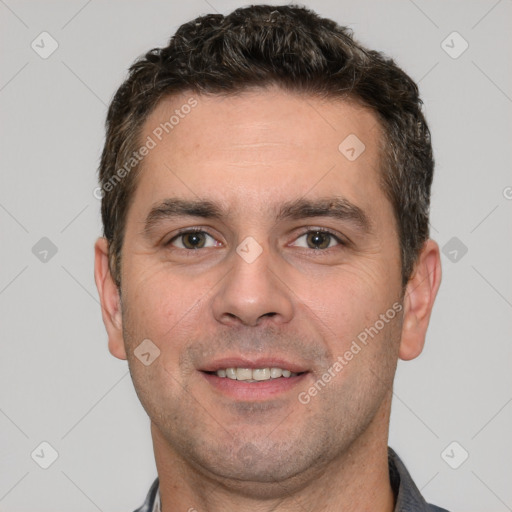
(59, 384)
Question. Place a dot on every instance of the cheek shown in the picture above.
(350, 299)
(165, 308)
(151, 313)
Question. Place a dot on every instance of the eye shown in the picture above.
(319, 239)
(192, 239)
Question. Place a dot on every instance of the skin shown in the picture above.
(252, 152)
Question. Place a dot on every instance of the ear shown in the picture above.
(110, 299)
(419, 299)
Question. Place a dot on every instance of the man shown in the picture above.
(266, 260)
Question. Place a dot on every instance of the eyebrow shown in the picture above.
(333, 207)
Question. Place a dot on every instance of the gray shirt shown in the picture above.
(408, 497)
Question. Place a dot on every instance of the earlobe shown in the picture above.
(419, 299)
(109, 298)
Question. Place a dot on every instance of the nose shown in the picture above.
(252, 292)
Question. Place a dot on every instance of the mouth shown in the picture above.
(254, 374)
(253, 380)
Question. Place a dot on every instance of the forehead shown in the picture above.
(242, 148)
(253, 116)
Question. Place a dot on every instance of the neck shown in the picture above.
(355, 480)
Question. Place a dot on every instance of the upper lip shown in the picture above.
(253, 363)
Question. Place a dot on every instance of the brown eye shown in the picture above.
(192, 240)
(318, 239)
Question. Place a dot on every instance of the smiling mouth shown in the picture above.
(254, 374)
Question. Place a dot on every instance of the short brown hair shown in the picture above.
(294, 48)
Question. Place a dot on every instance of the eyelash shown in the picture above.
(308, 230)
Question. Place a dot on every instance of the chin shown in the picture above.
(249, 467)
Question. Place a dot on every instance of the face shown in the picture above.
(263, 264)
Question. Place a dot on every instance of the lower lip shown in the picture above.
(261, 390)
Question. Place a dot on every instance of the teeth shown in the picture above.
(261, 374)
(254, 375)
(243, 374)
(276, 372)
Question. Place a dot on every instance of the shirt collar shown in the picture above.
(157, 503)
(407, 495)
